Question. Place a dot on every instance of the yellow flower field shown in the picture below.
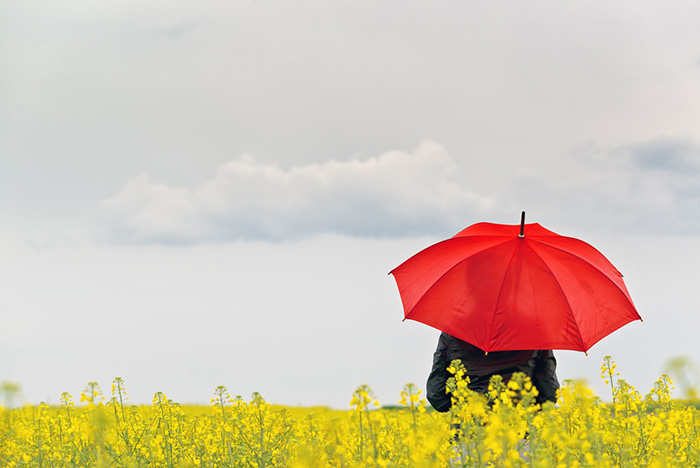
(504, 428)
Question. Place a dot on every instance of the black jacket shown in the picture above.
(539, 365)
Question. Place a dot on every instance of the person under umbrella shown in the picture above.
(539, 365)
(505, 296)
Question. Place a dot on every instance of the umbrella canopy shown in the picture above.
(515, 287)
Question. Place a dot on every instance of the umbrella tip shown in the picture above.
(522, 224)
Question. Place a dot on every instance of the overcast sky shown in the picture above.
(213, 192)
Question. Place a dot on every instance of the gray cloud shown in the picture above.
(394, 194)
(178, 30)
(650, 186)
(672, 155)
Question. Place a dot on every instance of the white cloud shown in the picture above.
(651, 186)
(393, 194)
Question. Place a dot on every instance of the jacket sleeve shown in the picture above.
(437, 380)
(545, 377)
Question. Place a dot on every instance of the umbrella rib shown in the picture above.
(607, 278)
(454, 317)
(500, 290)
(415, 278)
(451, 268)
(556, 280)
(625, 293)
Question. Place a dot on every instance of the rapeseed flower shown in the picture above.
(504, 428)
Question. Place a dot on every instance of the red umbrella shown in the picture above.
(515, 287)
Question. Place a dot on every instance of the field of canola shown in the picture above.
(504, 428)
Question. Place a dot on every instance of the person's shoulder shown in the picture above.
(447, 338)
(457, 341)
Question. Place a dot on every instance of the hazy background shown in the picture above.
(213, 192)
